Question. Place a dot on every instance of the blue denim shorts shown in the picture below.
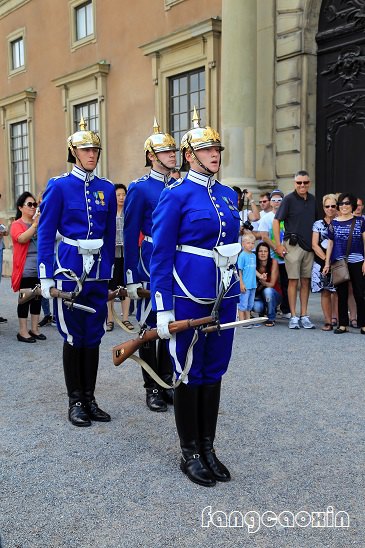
(246, 300)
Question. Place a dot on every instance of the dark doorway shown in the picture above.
(340, 135)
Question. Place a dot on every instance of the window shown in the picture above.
(84, 20)
(19, 151)
(90, 113)
(17, 54)
(186, 91)
(82, 23)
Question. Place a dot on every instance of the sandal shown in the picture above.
(327, 327)
(353, 324)
(341, 329)
(128, 325)
(334, 322)
(109, 326)
(269, 323)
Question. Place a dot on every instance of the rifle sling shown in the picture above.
(184, 374)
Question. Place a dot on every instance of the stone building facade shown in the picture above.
(250, 66)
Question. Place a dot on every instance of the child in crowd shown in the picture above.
(247, 271)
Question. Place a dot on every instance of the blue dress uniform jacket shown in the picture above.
(78, 205)
(141, 200)
(197, 211)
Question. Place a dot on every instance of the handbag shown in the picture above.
(339, 269)
(340, 272)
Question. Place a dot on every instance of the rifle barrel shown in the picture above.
(126, 349)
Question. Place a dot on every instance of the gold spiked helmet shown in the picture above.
(158, 142)
(197, 138)
(83, 138)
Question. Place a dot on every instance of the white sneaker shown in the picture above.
(294, 323)
(306, 323)
(286, 316)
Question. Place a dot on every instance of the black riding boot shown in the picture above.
(154, 399)
(187, 424)
(90, 363)
(208, 413)
(72, 369)
(165, 369)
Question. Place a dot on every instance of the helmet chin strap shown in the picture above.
(198, 161)
(169, 169)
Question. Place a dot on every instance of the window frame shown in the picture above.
(15, 109)
(12, 38)
(85, 86)
(171, 3)
(76, 43)
(187, 50)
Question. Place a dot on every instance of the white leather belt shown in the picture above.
(69, 241)
(195, 250)
(85, 247)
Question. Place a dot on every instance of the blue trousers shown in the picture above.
(79, 328)
(267, 299)
(211, 353)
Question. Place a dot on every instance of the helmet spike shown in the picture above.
(156, 127)
(82, 124)
(195, 119)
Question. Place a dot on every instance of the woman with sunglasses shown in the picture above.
(319, 282)
(23, 232)
(339, 234)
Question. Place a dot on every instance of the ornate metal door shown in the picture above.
(340, 145)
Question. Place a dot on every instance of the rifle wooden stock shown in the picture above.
(122, 292)
(126, 349)
(27, 294)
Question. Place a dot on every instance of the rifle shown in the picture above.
(68, 297)
(126, 349)
(27, 294)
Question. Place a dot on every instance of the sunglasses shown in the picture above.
(300, 183)
(276, 199)
(332, 206)
(31, 204)
(344, 203)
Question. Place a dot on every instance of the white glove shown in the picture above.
(46, 285)
(132, 291)
(163, 320)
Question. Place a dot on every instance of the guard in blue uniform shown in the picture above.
(142, 198)
(76, 237)
(194, 216)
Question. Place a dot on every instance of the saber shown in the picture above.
(233, 325)
(71, 305)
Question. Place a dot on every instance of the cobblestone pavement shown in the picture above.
(291, 430)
